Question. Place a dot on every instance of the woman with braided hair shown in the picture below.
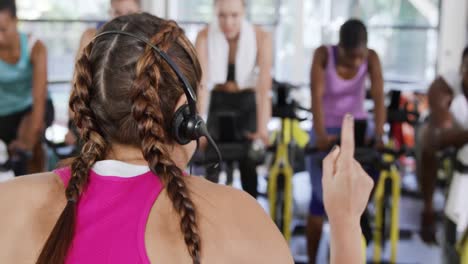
(125, 198)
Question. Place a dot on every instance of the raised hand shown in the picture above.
(346, 191)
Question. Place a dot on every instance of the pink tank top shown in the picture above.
(343, 96)
(111, 218)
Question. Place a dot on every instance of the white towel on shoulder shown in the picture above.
(218, 56)
(456, 208)
(459, 110)
(457, 202)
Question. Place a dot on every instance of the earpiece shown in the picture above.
(185, 126)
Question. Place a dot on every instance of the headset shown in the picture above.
(187, 125)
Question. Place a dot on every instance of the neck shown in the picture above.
(133, 155)
(339, 56)
(179, 156)
(234, 39)
(128, 154)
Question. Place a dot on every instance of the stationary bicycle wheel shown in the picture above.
(279, 202)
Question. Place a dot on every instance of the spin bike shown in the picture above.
(287, 141)
(387, 197)
(280, 195)
(388, 189)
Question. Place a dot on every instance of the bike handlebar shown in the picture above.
(389, 151)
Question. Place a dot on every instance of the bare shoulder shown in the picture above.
(321, 56)
(250, 232)
(39, 47)
(322, 51)
(86, 38)
(373, 53)
(262, 35)
(373, 56)
(27, 196)
(260, 31)
(89, 34)
(223, 196)
(440, 86)
(202, 34)
(201, 44)
(29, 208)
(45, 183)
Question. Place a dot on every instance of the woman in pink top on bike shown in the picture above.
(125, 198)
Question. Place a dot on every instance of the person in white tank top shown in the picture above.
(442, 130)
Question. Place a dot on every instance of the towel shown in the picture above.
(457, 202)
(218, 56)
(456, 208)
(459, 110)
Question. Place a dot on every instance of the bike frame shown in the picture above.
(282, 167)
(390, 173)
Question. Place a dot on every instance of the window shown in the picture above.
(264, 12)
(193, 10)
(59, 24)
(193, 15)
(196, 11)
(56, 9)
(403, 32)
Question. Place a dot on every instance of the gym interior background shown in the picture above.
(415, 39)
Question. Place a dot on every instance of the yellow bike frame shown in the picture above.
(391, 173)
(463, 248)
(282, 166)
(464, 253)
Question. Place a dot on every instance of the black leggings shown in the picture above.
(248, 172)
(9, 124)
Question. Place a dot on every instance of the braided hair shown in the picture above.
(124, 93)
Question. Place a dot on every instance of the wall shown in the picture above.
(453, 34)
(452, 38)
(156, 7)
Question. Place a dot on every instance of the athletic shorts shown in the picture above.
(314, 167)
